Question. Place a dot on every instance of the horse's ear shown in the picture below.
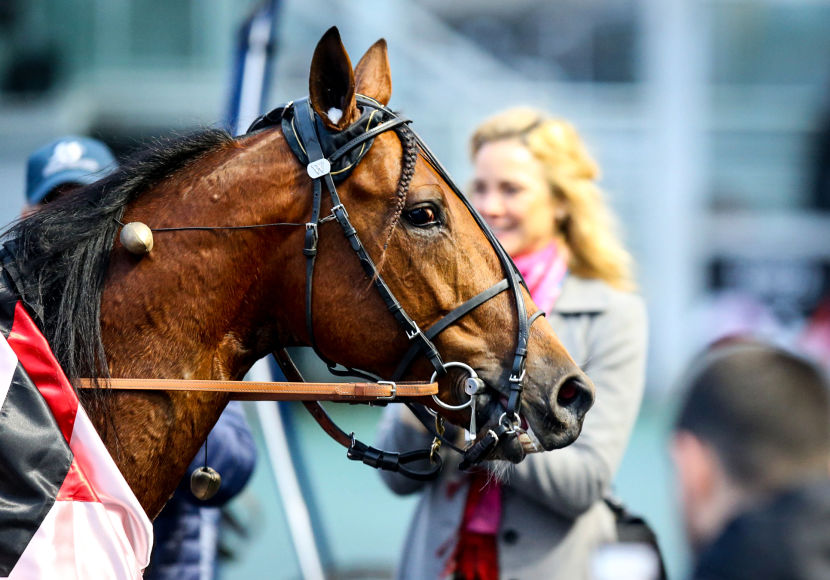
(372, 75)
(331, 82)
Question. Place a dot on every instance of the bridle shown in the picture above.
(329, 158)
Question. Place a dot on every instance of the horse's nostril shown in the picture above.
(568, 393)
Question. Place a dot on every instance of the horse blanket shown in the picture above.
(65, 509)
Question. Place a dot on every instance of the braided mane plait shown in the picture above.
(410, 156)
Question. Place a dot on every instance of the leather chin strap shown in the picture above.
(310, 140)
(358, 451)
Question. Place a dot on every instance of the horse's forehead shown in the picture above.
(378, 172)
(426, 174)
(389, 148)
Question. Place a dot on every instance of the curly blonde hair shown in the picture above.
(588, 228)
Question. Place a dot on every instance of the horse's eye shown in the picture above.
(422, 217)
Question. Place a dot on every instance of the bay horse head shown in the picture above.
(225, 284)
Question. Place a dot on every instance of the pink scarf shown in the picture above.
(544, 271)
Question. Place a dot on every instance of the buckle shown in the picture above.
(341, 207)
(410, 334)
(514, 379)
(510, 426)
(319, 168)
(394, 394)
(311, 238)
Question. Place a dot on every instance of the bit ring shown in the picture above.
(472, 373)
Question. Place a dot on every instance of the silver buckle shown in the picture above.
(340, 206)
(311, 248)
(410, 334)
(394, 394)
(519, 379)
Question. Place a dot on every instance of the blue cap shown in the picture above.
(70, 159)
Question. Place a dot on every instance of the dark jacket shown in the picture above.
(186, 530)
(787, 538)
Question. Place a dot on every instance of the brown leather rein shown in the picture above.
(278, 391)
(297, 389)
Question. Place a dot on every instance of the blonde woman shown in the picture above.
(535, 185)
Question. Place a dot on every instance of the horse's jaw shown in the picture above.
(515, 446)
(509, 449)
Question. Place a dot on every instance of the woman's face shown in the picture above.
(510, 191)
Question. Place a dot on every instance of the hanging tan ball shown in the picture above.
(137, 238)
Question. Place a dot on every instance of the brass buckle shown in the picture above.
(436, 441)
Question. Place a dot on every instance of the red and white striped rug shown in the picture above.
(65, 509)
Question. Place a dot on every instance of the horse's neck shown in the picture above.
(155, 437)
(189, 310)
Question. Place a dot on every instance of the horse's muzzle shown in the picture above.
(557, 422)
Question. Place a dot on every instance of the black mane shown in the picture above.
(62, 250)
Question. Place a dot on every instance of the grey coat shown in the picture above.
(553, 515)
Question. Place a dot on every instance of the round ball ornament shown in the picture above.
(205, 482)
(137, 238)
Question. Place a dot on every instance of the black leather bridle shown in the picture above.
(329, 158)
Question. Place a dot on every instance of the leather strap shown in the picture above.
(370, 134)
(305, 140)
(446, 321)
(357, 450)
(277, 391)
(307, 135)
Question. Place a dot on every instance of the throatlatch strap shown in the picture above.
(312, 145)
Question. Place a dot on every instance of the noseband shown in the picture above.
(329, 158)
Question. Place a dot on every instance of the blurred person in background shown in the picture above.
(186, 532)
(751, 447)
(63, 165)
(536, 186)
